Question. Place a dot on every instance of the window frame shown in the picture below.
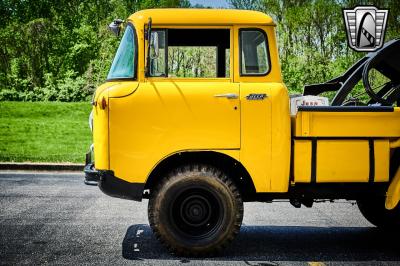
(240, 53)
(231, 57)
(135, 61)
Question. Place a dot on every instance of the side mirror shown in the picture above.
(115, 26)
(154, 45)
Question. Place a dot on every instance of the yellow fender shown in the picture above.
(393, 193)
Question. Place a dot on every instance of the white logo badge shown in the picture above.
(366, 26)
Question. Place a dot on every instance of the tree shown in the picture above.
(46, 46)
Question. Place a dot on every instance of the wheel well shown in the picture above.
(233, 168)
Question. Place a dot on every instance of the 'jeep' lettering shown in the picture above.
(256, 96)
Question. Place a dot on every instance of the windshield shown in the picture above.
(123, 64)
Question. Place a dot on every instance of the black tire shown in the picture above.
(196, 211)
(373, 209)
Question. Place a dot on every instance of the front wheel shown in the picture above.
(196, 211)
(373, 209)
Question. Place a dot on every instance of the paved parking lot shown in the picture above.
(53, 218)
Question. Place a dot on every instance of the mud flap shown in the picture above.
(393, 193)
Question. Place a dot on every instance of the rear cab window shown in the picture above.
(254, 52)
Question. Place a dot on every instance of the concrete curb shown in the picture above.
(42, 166)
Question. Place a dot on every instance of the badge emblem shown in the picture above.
(256, 96)
(366, 26)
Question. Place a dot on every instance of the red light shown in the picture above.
(103, 103)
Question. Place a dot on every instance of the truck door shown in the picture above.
(198, 115)
(191, 78)
(265, 120)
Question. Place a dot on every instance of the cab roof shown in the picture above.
(193, 16)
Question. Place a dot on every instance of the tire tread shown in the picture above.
(179, 173)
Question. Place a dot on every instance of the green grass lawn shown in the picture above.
(44, 131)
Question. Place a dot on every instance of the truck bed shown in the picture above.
(334, 144)
(347, 121)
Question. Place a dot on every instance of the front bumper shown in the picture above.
(92, 176)
(118, 188)
(109, 183)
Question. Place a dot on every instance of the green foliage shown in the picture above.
(197, 61)
(62, 51)
(44, 131)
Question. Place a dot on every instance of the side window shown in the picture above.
(190, 53)
(254, 57)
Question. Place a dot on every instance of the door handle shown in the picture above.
(227, 95)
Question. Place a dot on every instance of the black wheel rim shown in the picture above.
(196, 212)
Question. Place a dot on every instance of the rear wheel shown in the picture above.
(374, 211)
(196, 211)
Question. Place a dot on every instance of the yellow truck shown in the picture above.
(195, 117)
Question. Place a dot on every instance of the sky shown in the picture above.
(211, 3)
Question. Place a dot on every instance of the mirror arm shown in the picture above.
(148, 36)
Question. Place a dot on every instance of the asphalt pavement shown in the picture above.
(53, 218)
